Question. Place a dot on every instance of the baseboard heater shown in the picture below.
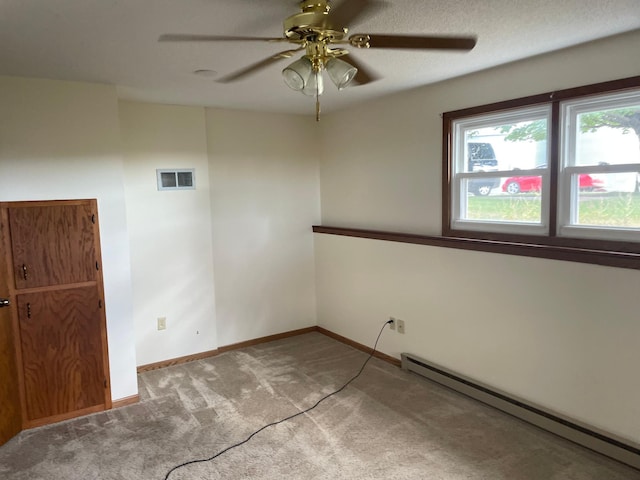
(581, 434)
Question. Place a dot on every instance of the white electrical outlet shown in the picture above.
(392, 325)
(400, 325)
(162, 323)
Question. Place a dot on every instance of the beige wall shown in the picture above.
(384, 170)
(169, 231)
(60, 140)
(250, 216)
(562, 335)
(264, 200)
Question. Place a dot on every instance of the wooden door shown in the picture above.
(61, 351)
(11, 412)
(52, 245)
(57, 284)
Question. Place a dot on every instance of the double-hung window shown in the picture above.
(499, 185)
(559, 169)
(600, 161)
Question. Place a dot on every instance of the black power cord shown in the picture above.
(302, 412)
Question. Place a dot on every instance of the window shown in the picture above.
(561, 169)
(600, 161)
(500, 184)
(183, 179)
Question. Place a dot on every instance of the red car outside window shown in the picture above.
(533, 183)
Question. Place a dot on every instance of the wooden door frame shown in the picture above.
(5, 242)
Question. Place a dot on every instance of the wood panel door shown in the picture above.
(11, 411)
(56, 282)
(61, 351)
(52, 245)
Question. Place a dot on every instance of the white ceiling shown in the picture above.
(116, 42)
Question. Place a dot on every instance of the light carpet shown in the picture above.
(388, 424)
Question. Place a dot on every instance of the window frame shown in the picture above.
(582, 249)
(176, 174)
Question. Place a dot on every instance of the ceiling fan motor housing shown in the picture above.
(313, 23)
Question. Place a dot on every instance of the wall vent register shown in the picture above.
(176, 179)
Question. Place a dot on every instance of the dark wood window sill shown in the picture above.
(619, 259)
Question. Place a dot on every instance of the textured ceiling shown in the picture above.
(116, 42)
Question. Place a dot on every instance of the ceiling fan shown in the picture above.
(319, 30)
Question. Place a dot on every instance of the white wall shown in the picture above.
(562, 335)
(264, 200)
(60, 140)
(169, 231)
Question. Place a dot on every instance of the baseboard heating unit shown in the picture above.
(570, 429)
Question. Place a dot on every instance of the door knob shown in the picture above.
(4, 302)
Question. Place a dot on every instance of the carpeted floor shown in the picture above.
(388, 424)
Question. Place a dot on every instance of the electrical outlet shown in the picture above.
(400, 325)
(392, 325)
(162, 323)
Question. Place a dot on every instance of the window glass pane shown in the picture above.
(507, 146)
(507, 141)
(168, 179)
(185, 179)
(607, 200)
(607, 137)
(500, 206)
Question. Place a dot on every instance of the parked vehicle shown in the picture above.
(533, 183)
(482, 158)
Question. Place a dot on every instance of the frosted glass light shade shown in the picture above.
(297, 74)
(340, 72)
(314, 84)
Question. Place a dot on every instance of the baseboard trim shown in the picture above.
(177, 361)
(269, 338)
(227, 348)
(359, 346)
(585, 435)
(126, 401)
(257, 341)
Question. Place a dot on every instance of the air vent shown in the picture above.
(176, 179)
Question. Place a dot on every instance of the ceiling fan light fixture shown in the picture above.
(298, 73)
(340, 72)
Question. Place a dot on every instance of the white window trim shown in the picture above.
(175, 171)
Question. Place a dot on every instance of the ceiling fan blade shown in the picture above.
(179, 37)
(364, 75)
(412, 42)
(238, 75)
(347, 12)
